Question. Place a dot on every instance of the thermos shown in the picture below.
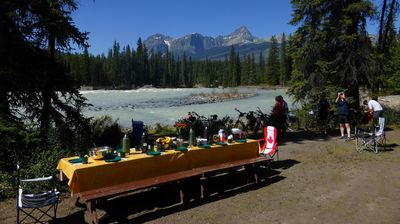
(205, 133)
(143, 142)
(126, 145)
(191, 137)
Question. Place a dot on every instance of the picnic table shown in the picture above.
(100, 179)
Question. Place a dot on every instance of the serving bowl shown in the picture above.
(100, 152)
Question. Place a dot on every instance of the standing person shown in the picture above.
(343, 112)
(280, 112)
(323, 112)
(375, 107)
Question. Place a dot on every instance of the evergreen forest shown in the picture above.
(126, 68)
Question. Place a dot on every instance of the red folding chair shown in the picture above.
(269, 147)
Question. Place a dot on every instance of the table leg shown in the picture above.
(91, 212)
(181, 194)
(251, 172)
(255, 173)
(202, 179)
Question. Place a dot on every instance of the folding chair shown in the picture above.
(35, 198)
(269, 147)
(367, 140)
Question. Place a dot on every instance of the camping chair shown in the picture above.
(35, 198)
(269, 147)
(366, 140)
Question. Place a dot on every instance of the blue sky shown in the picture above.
(127, 20)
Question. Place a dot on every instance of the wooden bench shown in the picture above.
(92, 197)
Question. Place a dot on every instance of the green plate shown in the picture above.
(181, 149)
(153, 153)
(243, 140)
(205, 146)
(78, 160)
(221, 143)
(115, 159)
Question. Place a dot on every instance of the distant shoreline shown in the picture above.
(88, 88)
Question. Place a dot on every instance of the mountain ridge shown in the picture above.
(201, 47)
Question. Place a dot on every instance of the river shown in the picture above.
(152, 105)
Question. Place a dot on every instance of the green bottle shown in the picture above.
(126, 146)
(191, 137)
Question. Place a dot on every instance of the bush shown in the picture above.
(392, 117)
(105, 132)
(7, 181)
(162, 129)
(16, 143)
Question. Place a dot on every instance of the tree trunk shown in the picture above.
(389, 21)
(381, 25)
(46, 93)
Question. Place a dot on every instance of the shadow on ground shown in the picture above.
(161, 201)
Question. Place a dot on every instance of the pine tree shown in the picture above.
(283, 61)
(261, 67)
(272, 66)
(86, 67)
(332, 47)
(31, 74)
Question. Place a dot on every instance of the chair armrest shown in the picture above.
(38, 179)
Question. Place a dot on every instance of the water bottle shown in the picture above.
(126, 145)
(205, 133)
(143, 142)
(191, 137)
(221, 135)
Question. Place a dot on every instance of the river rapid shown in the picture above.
(165, 106)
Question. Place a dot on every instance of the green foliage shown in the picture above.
(392, 70)
(22, 144)
(7, 181)
(17, 143)
(272, 66)
(162, 129)
(392, 117)
(105, 132)
(331, 47)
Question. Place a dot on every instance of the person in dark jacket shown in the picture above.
(343, 112)
(279, 113)
(323, 112)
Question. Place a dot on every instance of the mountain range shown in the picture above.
(200, 47)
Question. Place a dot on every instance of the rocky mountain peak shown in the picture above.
(241, 31)
(239, 36)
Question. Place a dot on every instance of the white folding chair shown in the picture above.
(367, 140)
(35, 198)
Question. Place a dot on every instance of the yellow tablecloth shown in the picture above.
(98, 173)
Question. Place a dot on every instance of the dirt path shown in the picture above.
(317, 180)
